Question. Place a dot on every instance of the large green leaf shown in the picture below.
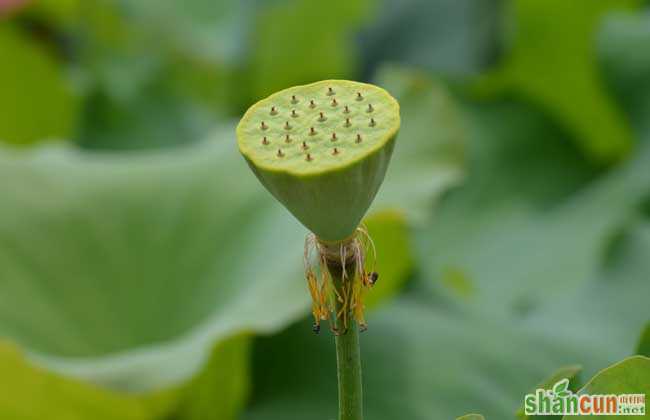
(630, 376)
(552, 62)
(114, 265)
(30, 393)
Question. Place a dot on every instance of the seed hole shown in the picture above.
(265, 141)
(372, 122)
(334, 137)
(330, 91)
(347, 122)
(273, 110)
(322, 117)
(346, 110)
(287, 126)
(312, 131)
(280, 154)
(263, 126)
(335, 151)
(305, 146)
(334, 103)
(294, 100)
(312, 104)
(359, 96)
(370, 108)
(308, 158)
(287, 139)
(294, 114)
(358, 138)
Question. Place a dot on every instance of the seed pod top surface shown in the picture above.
(322, 150)
(323, 126)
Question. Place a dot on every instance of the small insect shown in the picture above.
(373, 277)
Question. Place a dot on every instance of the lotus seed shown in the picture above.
(327, 188)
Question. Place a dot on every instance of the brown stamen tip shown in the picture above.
(333, 136)
(280, 154)
(287, 126)
(322, 117)
(287, 139)
(312, 104)
(370, 108)
(308, 158)
(359, 97)
(335, 151)
(346, 110)
(265, 140)
(358, 138)
(334, 103)
(347, 122)
(304, 145)
(264, 126)
(330, 91)
(294, 100)
(273, 110)
(294, 114)
(312, 131)
(372, 122)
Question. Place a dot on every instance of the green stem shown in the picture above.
(348, 355)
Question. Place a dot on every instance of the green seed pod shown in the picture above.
(322, 150)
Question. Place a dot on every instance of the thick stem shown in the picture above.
(348, 355)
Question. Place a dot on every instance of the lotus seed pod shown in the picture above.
(341, 135)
